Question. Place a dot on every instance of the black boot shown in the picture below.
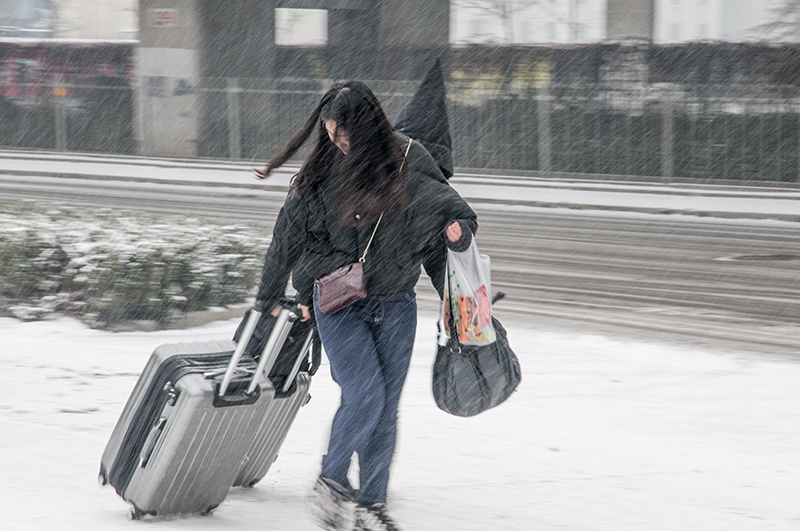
(331, 505)
(373, 518)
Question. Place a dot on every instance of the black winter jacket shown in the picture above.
(309, 241)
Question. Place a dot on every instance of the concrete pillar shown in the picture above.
(169, 68)
(237, 41)
(237, 38)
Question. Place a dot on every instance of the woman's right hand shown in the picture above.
(276, 311)
(454, 232)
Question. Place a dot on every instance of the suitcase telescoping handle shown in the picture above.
(276, 340)
(299, 361)
(249, 327)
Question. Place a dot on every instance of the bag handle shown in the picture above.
(364, 256)
(441, 337)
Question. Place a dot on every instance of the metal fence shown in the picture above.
(95, 117)
(660, 130)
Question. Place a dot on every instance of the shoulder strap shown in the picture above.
(364, 256)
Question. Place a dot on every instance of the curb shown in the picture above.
(467, 177)
(638, 210)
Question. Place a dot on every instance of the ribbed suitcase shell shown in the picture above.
(143, 386)
(270, 431)
(196, 457)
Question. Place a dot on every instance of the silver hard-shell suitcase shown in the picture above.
(183, 435)
(291, 375)
(271, 431)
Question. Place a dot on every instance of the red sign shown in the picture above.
(164, 18)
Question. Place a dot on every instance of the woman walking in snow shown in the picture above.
(364, 185)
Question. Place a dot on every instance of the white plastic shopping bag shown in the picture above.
(468, 298)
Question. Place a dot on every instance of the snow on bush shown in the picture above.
(109, 267)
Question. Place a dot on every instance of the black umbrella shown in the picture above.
(424, 118)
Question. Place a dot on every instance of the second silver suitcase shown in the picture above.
(291, 394)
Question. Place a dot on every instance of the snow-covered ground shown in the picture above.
(601, 435)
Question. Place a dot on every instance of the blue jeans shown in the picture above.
(369, 345)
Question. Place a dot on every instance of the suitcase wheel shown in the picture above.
(208, 511)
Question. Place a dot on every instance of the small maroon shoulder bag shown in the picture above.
(344, 286)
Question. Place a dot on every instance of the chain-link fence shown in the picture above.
(702, 132)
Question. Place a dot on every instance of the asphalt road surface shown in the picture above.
(731, 285)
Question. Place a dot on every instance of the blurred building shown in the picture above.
(97, 19)
(586, 21)
(199, 61)
(69, 19)
(699, 20)
(26, 18)
(527, 21)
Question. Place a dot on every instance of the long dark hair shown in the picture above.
(371, 181)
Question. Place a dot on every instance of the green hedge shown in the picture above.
(108, 267)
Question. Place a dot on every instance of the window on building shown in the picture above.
(675, 2)
(25, 9)
(550, 31)
(702, 31)
(525, 31)
(674, 32)
(301, 27)
(475, 27)
(580, 32)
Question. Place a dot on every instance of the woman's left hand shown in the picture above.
(454, 232)
(305, 311)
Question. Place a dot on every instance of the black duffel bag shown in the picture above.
(469, 379)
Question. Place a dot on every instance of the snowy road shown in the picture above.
(599, 258)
